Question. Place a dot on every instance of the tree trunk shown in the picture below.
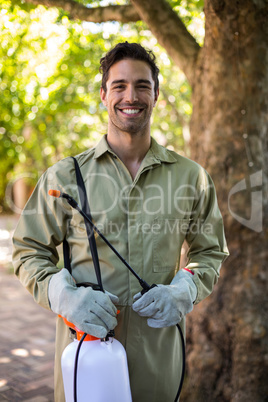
(227, 335)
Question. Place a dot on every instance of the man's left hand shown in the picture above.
(165, 305)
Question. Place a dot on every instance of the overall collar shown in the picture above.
(155, 155)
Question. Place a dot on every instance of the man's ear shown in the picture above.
(156, 96)
(103, 96)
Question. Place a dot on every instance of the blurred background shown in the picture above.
(50, 82)
(213, 108)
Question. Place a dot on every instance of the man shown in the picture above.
(147, 200)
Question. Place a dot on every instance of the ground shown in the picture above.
(27, 334)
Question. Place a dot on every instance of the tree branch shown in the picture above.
(171, 33)
(97, 14)
(164, 23)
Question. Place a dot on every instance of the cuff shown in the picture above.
(188, 276)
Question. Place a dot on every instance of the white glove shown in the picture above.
(89, 310)
(165, 305)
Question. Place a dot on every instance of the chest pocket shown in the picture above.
(167, 242)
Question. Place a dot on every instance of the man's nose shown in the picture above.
(131, 94)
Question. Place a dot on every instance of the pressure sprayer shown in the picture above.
(101, 347)
(98, 358)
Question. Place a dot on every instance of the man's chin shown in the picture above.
(133, 130)
(131, 127)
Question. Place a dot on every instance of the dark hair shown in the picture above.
(127, 50)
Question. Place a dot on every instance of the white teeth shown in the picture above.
(131, 111)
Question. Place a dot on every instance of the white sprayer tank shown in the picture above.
(102, 373)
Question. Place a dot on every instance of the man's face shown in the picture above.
(130, 96)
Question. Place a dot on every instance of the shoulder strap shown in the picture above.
(90, 232)
(66, 255)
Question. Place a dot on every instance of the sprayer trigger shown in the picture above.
(147, 290)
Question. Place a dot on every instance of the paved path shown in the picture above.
(26, 337)
(26, 345)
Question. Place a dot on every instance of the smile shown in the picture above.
(130, 111)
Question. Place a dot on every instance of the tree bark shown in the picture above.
(228, 333)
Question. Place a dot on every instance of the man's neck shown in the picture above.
(131, 149)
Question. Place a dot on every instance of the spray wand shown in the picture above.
(74, 204)
(145, 286)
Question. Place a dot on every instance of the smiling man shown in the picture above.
(130, 93)
(130, 98)
(148, 200)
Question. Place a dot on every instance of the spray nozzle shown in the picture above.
(70, 200)
(54, 193)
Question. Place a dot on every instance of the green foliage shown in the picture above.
(192, 15)
(49, 81)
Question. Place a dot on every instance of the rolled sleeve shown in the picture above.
(41, 227)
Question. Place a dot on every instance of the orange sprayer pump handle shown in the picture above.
(80, 333)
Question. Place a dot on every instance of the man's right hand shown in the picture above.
(91, 311)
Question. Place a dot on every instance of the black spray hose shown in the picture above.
(76, 365)
(183, 364)
(145, 287)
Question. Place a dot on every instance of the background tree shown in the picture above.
(49, 77)
(227, 333)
